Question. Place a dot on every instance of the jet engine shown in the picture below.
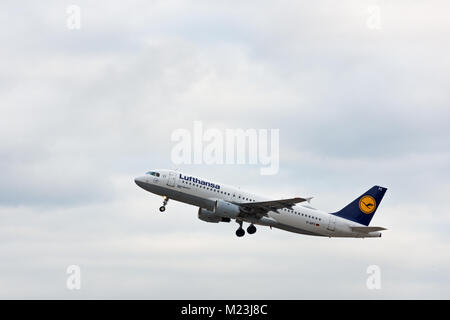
(226, 209)
(223, 212)
(208, 216)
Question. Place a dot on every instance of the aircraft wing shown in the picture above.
(272, 205)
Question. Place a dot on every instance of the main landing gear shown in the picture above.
(163, 207)
(250, 230)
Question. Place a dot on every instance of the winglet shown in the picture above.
(309, 199)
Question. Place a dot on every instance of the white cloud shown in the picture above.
(83, 112)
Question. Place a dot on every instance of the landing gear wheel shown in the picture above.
(240, 232)
(251, 229)
(162, 208)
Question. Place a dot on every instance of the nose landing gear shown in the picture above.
(163, 207)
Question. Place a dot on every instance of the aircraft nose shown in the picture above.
(139, 181)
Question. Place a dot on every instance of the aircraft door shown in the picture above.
(171, 179)
(331, 222)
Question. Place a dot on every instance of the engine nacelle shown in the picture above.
(223, 212)
(226, 209)
(208, 216)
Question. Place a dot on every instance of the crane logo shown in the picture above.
(367, 204)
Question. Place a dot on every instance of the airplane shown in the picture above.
(222, 203)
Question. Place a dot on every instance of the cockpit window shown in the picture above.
(153, 173)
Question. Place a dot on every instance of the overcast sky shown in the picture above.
(359, 98)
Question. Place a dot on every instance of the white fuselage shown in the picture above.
(204, 193)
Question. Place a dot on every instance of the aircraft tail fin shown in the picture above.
(363, 208)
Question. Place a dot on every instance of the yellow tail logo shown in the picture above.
(367, 204)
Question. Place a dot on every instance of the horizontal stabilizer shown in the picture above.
(367, 229)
